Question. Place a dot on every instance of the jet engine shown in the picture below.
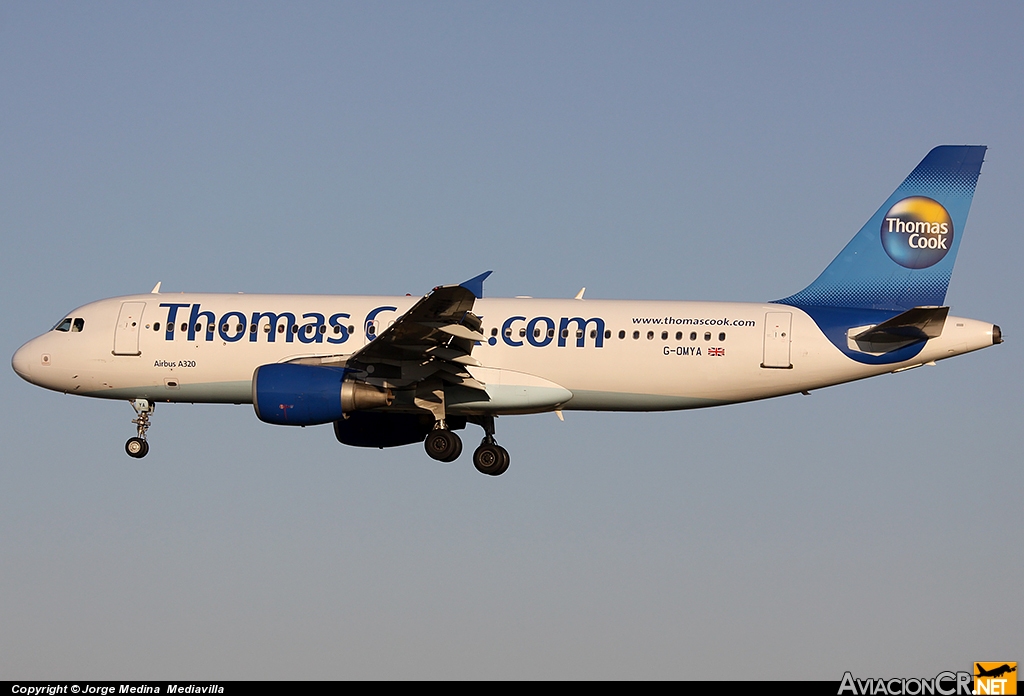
(288, 394)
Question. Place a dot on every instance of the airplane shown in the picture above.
(996, 672)
(392, 371)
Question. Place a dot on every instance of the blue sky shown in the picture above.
(644, 150)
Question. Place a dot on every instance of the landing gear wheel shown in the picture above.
(443, 445)
(136, 447)
(457, 452)
(491, 459)
(505, 463)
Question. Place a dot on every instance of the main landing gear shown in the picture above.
(442, 444)
(445, 446)
(137, 447)
(490, 458)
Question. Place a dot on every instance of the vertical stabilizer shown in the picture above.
(903, 257)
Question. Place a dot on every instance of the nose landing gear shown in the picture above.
(137, 447)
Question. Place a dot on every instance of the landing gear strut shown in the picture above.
(490, 458)
(137, 447)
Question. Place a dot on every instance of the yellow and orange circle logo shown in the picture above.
(917, 232)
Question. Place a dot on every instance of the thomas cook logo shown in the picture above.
(917, 232)
(995, 678)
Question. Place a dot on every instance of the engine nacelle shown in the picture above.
(287, 394)
(377, 429)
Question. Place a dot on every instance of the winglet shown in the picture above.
(476, 285)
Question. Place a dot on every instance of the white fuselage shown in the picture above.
(613, 355)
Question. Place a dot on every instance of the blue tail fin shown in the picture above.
(903, 257)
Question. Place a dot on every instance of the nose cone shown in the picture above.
(22, 362)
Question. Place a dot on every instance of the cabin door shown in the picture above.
(129, 326)
(777, 340)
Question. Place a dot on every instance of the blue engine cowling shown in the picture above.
(288, 394)
(370, 429)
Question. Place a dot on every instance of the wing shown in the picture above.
(435, 338)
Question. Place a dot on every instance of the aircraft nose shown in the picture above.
(22, 363)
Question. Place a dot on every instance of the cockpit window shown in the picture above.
(65, 325)
(78, 325)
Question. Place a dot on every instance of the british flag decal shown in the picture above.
(716, 352)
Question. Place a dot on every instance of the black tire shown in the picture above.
(441, 444)
(490, 460)
(457, 450)
(505, 461)
(136, 447)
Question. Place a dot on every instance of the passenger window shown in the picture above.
(184, 326)
(593, 333)
(607, 333)
(707, 336)
(622, 334)
(551, 333)
(494, 332)
(156, 326)
(78, 325)
(351, 329)
(536, 333)
(679, 335)
(266, 329)
(280, 328)
(64, 325)
(650, 335)
(522, 333)
(323, 329)
(565, 333)
(636, 335)
(664, 335)
(337, 329)
(253, 328)
(721, 336)
(693, 335)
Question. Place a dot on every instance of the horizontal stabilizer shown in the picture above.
(917, 324)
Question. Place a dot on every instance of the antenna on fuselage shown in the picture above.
(156, 289)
